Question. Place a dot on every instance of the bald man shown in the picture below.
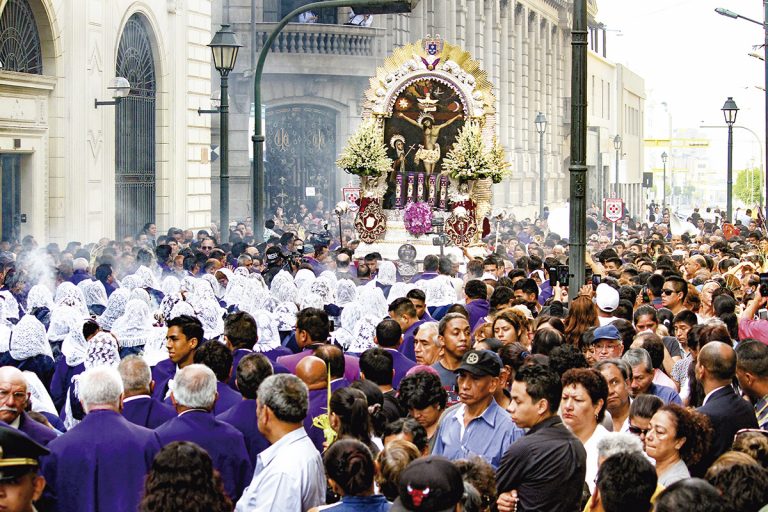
(138, 405)
(14, 397)
(313, 372)
(696, 266)
(729, 413)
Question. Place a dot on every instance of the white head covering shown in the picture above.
(188, 284)
(363, 334)
(387, 273)
(269, 337)
(28, 339)
(283, 288)
(146, 279)
(218, 290)
(330, 277)
(310, 300)
(11, 310)
(141, 294)
(398, 291)
(39, 296)
(114, 310)
(439, 291)
(242, 272)
(304, 277)
(170, 285)
(181, 308)
(74, 345)
(41, 400)
(372, 298)
(130, 282)
(207, 309)
(68, 294)
(95, 294)
(235, 290)
(102, 351)
(346, 292)
(322, 287)
(285, 313)
(135, 328)
(5, 338)
(350, 316)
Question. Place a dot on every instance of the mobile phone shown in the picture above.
(762, 314)
(552, 276)
(596, 280)
(764, 284)
(563, 275)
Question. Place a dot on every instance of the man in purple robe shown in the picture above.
(251, 372)
(193, 395)
(14, 397)
(313, 372)
(101, 463)
(312, 331)
(477, 302)
(218, 358)
(241, 332)
(388, 337)
(404, 313)
(185, 334)
(430, 269)
(138, 405)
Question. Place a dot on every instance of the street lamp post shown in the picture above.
(541, 126)
(664, 157)
(224, 47)
(729, 112)
(617, 147)
(764, 24)
(257, 167)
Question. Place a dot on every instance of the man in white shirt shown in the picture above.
(289, 474)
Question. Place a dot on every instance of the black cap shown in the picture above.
(19, 454)
(272, 254)
(309, 248)
(429, 484)
(480, 363)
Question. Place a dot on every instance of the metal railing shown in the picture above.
(320, 39)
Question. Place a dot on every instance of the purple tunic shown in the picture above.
(272, 355)
(99, 465)
(477, 309)
(318, 404)
(62, 379)
(223, 442)
(37, 431)
(406, 347)
(228, 398)
(162, 372)
(243, 417)
(401, 365)
(147, 412)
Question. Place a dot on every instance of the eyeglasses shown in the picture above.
(637, 430)
(664, 291)
(206, 248)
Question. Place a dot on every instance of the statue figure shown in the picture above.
(429, 151)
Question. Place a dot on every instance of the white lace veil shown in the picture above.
(135, 327)
(170, 285)
(115, 308)
(283, 288)
(387, 273)
(39, 296)
(346, 292)
(68, 294)
(285, 312)
(363, 334)
(399, 290)
(28, 339)
(95, 294)
(269, 337)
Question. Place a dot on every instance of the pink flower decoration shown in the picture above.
(418, 218)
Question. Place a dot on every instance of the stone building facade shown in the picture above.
(71, 171)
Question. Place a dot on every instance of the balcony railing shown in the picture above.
(320, 39)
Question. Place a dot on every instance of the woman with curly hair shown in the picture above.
(424, 397)
(182, 479)
(582, 314)
(677, 440)
(510, 325)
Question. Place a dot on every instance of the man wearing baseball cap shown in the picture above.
(429, 484)
(478, 425)
(20, 485)
(607, 344)
(607, 300)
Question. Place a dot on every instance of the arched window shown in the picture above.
(19, 40)
(135, 131)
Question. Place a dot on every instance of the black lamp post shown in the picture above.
(224, 47)
(541, 127)
(729, 112)
(617, 147)
(257, 168)
(664, 157)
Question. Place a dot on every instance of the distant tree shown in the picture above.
(749, 186)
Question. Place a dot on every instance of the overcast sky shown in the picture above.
(693, 58)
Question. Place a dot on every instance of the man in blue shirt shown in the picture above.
(477, 426)
(642, 377)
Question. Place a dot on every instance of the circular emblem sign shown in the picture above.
(473, 358)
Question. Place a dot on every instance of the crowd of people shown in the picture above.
(183, 372)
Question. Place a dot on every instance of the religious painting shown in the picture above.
(426, 118)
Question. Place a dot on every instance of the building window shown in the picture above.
(135, 131)
(19, 39)
(326, 15)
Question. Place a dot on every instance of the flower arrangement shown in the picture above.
(365, 154)
(418, 218)
(469, 159)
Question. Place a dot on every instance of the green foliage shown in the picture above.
(749, 186)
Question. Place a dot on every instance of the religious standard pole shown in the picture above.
(257, 167)
(578, 167)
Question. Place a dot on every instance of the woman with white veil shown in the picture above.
(372, 298)
(269, 343)
(67, 323)
(68, 294)
(135, 328)
(398, 291)
(304, 277)
(95, 297)
(30, 350)
(207, 310)
(385, 278)
(40, 303)
(115, 308)
(364, 334)
(283, 288)
(350, 315)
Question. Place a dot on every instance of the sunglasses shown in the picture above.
(637, 430)
(667, 292)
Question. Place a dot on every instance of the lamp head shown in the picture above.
(729, 111)
(120, 87)
(617, 142)
(726, 12)
(385, 6)
(664, 157)
(224, 47)
(541, 123)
